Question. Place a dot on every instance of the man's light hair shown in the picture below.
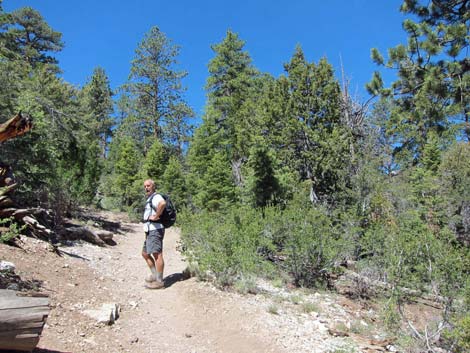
(152, 183)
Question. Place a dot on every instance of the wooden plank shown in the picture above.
(24, 344)
(13, 323)
(22, 318)
(23, 314)
(7, 293)
(22, 302)
(19, 332)
(20, 325)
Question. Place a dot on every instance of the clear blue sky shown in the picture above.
(106, 33)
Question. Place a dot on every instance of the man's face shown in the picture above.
(149, 188)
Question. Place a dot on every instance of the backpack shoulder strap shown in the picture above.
(150, 201)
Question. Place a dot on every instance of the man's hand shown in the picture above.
(153, 218)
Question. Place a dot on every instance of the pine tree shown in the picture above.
(98, 107)
(214, 190)
(53, 160)
(264, 184)
(26, 35)
(228, 126)
(156, 89)
(230, 87)
(126, 172)
(155, 162)
(173, 182)
(318, 142)
(431, 93)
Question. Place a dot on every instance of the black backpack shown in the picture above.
(168, 216)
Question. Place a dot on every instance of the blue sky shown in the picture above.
(106, 33)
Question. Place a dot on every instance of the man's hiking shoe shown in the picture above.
(150, 278)
(155, 285)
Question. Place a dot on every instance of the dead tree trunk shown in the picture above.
(22, 319)
(16, 126)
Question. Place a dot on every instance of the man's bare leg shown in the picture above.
(160, 265)
(151, 264)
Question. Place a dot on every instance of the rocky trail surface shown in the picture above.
(187, 315)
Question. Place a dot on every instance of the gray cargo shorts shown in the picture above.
(154, 241)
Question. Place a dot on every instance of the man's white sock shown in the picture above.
(159, 276)
(154, 272)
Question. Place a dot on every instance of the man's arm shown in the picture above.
(158, 212)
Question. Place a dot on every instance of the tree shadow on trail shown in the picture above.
(175, 277)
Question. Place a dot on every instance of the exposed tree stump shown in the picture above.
(22, 319)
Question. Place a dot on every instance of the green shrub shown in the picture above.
(296, 299)
(13, 230)
(390, 315)
(273, 309)
(309, 307)
(459, 336)
(228, 244)
(299, 240)
(246, 285)
(308, 241)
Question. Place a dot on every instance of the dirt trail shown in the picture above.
(186, 316)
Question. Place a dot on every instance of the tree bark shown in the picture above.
(16, 126)
(22, 319)
(82, 233)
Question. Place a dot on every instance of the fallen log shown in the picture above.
(5, 202)
(22, 319)
(81, 233)
(351, 284)
(37, 229)
(104, 235)
(7, 189)
(7, 212)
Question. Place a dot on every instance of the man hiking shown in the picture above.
(152, 251)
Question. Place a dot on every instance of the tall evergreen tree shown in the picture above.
(264, 184)
(431, 93)
(318, 142)
(173, 182)
(155, 162)
(50, 171)
(26, 35)
(98, 107)
(126, 171)
(155, 85)
(26, 44)
(229, 87)
(227, 125)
